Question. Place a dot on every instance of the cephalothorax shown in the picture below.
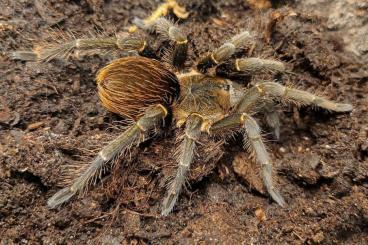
(200, 100)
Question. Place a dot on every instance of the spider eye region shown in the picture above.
(128, 86)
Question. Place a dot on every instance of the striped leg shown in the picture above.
(130, 137)
(272, 117)
(254, 66)
(254, 144)
(278, 91)
(224, 52)
(64, 46)
(185, 158)
(172, 33)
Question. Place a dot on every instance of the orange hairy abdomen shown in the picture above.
(130, 85)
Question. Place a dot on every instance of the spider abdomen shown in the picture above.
(130, 85)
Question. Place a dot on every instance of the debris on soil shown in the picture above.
(309, 169)
(227, 230)
(35, 125)
(248, 170)
(260, 214)
(347, 19)
(259, 4)
(274, 17)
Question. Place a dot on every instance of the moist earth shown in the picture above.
(50, 117)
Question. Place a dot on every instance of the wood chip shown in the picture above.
(259, 4)
(260, 214)
(35, 125)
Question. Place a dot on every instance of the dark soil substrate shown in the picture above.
(50, 116)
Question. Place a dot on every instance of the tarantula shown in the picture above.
(200, 101)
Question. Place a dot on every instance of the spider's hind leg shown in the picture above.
(161, 11)
(63, 45)
(172, 33)
(132, 136)
(169, 32)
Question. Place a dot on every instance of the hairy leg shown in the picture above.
(272, 117)
(253, 142)
(185, 158)
(172, 33)
(161, 11)
(277, 91)
(254, 66)
(224, 52)
(132, 136)
(65, 45)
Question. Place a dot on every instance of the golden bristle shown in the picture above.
(129, 85)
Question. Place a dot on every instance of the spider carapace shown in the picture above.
(202, 102)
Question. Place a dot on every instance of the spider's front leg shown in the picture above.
(185, 156)
(132, 136)
(254, 144)
(64, 45)
(278, 91)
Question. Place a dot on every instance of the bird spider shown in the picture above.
(201, 101)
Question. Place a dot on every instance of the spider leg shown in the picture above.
(65, 46)
(272, 117)
(161, 11)
(132, 136)
(278, 91)
(185, 158)
(169, 31)
(253, 142)
(224, 52)
(254, 66)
